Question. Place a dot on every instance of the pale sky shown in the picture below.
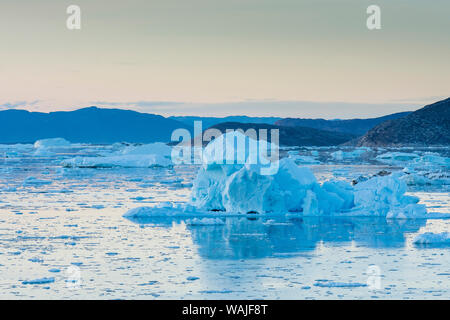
(298, 58)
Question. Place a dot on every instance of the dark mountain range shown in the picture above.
(425, 127)
(94, 125)
(292, 136)
(90, 125)
(353, 126)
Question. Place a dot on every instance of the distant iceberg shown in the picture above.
(428, 169)
(303, 159)
(126, 161)
(348, 155)
(147, 149)
(385, 196)
(433, 238)
(53, 142)
(396, 157)
(141, 156)
(47, 147)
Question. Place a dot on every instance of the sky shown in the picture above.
(296, 58)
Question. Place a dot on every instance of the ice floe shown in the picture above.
(53, 142)
(33, 181)
(385, 196)
(48, 147)
(148, 149)
(126, 161)
(303, 159)
(396, 157)
(343, 155)
(429, 169)
(433, 238)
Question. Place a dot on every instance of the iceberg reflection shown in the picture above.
(262, 237)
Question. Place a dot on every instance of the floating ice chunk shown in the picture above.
(429, 169)
(438, 215)
(205, 222)
(126, 161)
(163, 210)
(11, 154)
(299, 159)
(385, 196)
(9, 189)
(47, 147)
(420, 178)
(396, 157)
(244, 190)
(53, 142)
(39, 281)
(342, 155)
(431, 159)
(43, 152)
(433, 238)
(147, 149)
(143, 156)
(409, 211)
(33, 181)
(330, 284)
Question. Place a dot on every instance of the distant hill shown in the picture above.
(293, 136)
(90, 125)
(424, 127)
(211, 121)
(353, 126)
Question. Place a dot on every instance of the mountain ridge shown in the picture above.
(355, 126)
(88, 125)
